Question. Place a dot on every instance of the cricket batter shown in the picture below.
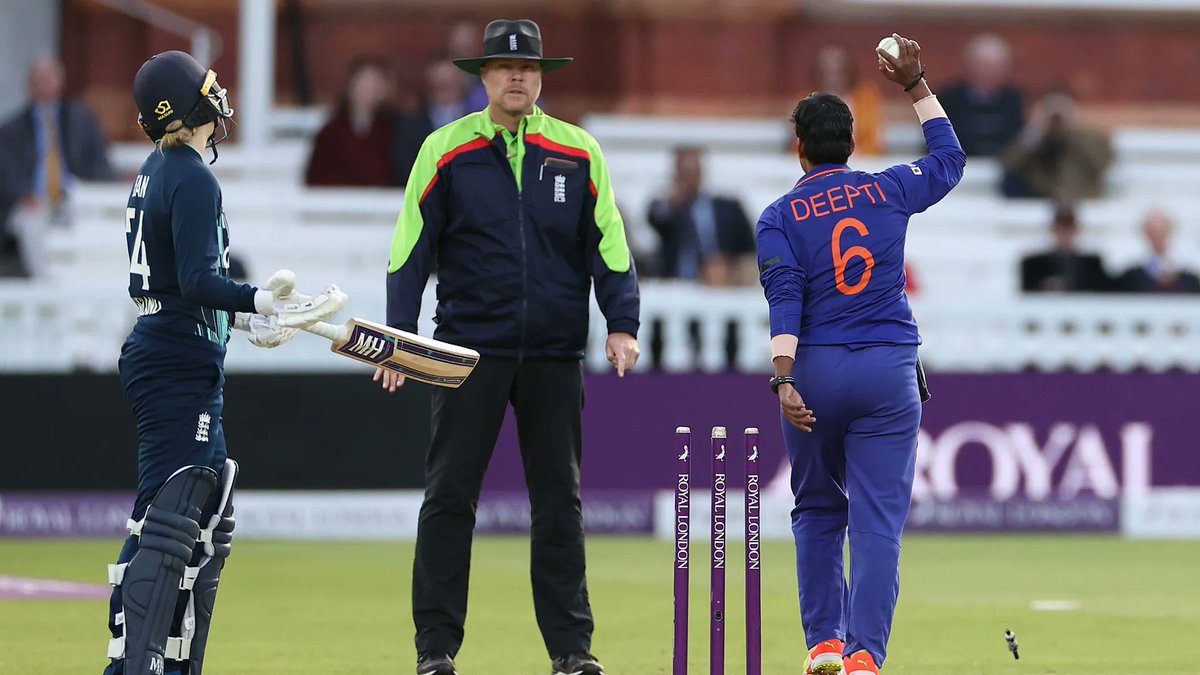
(831, 258)
(172, 368)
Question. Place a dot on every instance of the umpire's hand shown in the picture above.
(794, 408)
(389, 379)
(622, 351)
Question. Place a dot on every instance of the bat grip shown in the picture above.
(327, 330)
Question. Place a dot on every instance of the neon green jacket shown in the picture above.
(519, 227)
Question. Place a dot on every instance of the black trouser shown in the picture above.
(547, 397)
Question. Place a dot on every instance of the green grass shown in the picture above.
(344, 608)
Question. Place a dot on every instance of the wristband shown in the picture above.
(781, 379)
(915, 82)
(264, 302)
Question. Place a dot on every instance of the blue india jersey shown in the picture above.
(831, 251)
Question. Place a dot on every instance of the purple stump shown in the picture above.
(753, 559)
(683, 510)
(717, 599)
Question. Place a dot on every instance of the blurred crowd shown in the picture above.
(1065, 268)
(44, 148)
(1048, 153)
(375, 128)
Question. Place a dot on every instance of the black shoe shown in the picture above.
(435, 664)
(577, 664)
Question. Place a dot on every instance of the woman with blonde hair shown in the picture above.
(172, 369)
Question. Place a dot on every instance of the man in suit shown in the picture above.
(985, 109)
(44, 149)
(1160, 273)
(703, 237)
(1064, 268)
(444, 101)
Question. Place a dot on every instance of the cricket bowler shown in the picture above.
(831, 261)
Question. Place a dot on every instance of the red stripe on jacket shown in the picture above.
(449, 157)
(543, 142)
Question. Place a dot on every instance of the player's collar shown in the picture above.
(822, 170)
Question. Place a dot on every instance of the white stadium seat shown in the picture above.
(965, 251)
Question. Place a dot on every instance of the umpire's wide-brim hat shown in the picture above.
(506, 39)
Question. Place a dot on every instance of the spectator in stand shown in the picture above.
(1160, 273)
(702, 237)
(443, 102)
(1064, 268)
(837, 74)
(1056, 157)
(44, 149)
(354, 147)
(463, 43)
(985, 110)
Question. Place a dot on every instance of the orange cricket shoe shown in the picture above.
(861, 663)
(826, 658)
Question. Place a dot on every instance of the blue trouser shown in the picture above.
(172, 382)
(853, 473)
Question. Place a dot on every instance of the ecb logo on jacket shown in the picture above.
(560, 189)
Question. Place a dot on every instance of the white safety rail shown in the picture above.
(968, 245)
(63, 329)
(81, 326)
(965, 252)
(325, 235)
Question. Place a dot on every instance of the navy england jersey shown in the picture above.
(178, 243)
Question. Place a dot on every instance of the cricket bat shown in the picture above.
(422, 359)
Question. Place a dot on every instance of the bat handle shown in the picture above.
(327, 330)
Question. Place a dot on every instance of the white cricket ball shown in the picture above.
(889, 45)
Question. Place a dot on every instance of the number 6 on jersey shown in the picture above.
(840, 259)
(138, 262)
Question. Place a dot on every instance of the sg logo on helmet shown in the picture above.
(163, 109)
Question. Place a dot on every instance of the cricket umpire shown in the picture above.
(517, 209)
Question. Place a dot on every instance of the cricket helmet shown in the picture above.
(173, 86)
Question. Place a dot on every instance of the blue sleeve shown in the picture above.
(926, 181)
(783, 279)
(195, 218)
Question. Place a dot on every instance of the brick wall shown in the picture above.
(720, 56)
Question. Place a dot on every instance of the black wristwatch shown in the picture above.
(781, 379)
